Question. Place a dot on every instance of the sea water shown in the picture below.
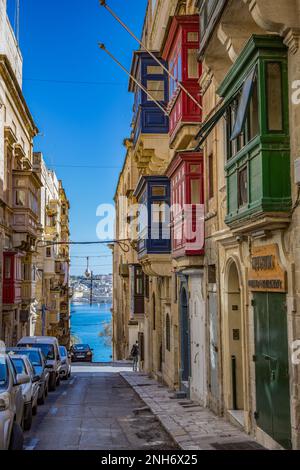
(86, 324)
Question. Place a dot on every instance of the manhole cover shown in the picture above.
(246, 445)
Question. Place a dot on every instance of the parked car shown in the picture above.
(81, 353)
(30, 389)
(65, 371)
(50, 348)
(11, 405)
(38, 361)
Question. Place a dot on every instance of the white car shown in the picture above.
(11, 405)
(65, 371)
(30, 390)
(50, 348)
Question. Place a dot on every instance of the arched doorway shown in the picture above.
(235, 350)
(185, 338)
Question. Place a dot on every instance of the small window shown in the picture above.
(155, 70)
(156, 88)
(158, 191)
(195, 191)
(193, 65)
(243, 187)
(274, 97)
(48, 252)
(210, 177)
(192, 36)
(168, 333)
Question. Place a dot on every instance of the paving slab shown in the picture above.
(192, 428)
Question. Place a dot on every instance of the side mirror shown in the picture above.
(36, 379)
(22, 379)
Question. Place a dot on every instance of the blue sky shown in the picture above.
(80, 124)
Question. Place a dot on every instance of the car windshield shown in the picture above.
(47, 350)
(19, 365)
(3, 374)
(63, 351)
(33, 356)
(81, 347)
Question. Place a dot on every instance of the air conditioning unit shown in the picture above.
(124, 270)
(297, 171)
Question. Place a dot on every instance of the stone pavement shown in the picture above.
(191, 426)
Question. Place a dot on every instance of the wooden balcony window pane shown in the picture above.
(7, 268)
(155, 70)
(274, 97)
(195, 192)
(193, 66)
(254, 119)
(243, 187)
(192, 36)
(158, 212)
(159, 191)
(156, 88)
(195, 169)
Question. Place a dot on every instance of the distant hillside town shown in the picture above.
(101, 289)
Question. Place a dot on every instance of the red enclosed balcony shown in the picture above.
(187, 203)
(12, 278)
(181, 52)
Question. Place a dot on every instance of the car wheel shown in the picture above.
(52, 383)
(28, 418)
(16, 438)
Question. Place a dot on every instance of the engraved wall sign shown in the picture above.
(266, 273)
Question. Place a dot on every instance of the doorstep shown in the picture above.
(191, 426)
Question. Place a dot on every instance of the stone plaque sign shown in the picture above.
(266, 273)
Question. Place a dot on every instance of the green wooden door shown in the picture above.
(272, 368)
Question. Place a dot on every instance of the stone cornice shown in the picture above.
(292, 39)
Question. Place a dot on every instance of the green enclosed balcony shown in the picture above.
(257, 137)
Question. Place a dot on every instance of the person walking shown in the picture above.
(135, 356)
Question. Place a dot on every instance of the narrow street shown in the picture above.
(95, 410)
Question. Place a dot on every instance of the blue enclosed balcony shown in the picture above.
(148, 118)
(154, 231)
